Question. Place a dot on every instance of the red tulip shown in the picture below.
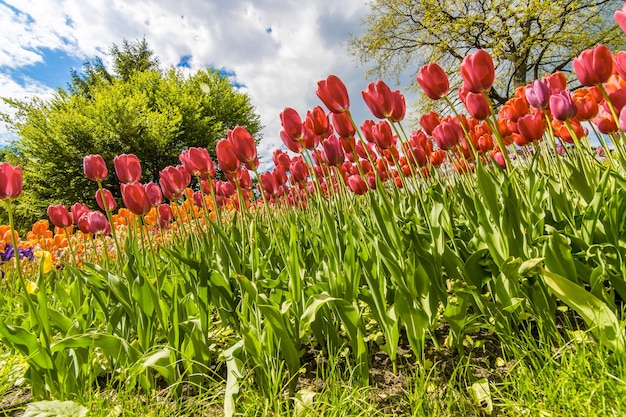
(127, 168)
(110, 200)
(343, 125)
(557, 82)
(398, 110)
(604, 121)
(433, 80)
(594, 66)
(618, 99)
(333, 150)
(94, 222)
(94, 167)
(78, 210)
(291, 144)
(531, 126)
(514, 108)
(477, 105)
(619, 63)
(562, 106)
(198, 199)
(226, 157)
(242, 144)
(415, 154)
(317, 121)
(357, 185)
(268, 183)
(280, 175)
(281, 158)
(429, 122)
(165, 215)
(198, 162)
(334, 94)
(419, 138)
(538, 94)
(10, 181)
(60, 216)
(478, 72)
(172, 183)
(292, 123)
(225, 189)
(311, 140)
(561, 130)
(135, 198)
(243, 179)
(448, 133)
(437, 157)
(154, 193)
(499, 158)
(299, 170)
(383, 136)
(379, 99)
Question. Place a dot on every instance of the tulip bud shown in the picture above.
(292, 123)
(94, 167)
(333, 150)
(226, 157)
(334, 94)
(594, 66)
(135, 198)
(10, 181)
(108, 197)
(60, 216)
(562, 106)
(198, 162)
(433, 80)
(478, 72)
(357, 185)
(379, 99)
(127, 168)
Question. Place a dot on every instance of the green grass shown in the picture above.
(578, 379)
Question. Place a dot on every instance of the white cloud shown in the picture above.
(277, 49)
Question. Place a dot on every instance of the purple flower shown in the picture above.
(9, 253)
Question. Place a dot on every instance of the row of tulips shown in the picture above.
(486, 220)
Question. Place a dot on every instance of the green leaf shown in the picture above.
(27, 344)
(602, 322)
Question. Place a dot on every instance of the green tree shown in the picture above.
(137, 108)
(526, 38)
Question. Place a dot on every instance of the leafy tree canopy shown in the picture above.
(137, 108)
(526, 38)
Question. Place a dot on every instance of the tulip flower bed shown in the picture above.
(368, 243)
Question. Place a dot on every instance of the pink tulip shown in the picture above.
(10, 181)
(127, 168)
(594, 66)
(60, 216)
(94, 167)
(198, 162)
(135, 198)
(108, 197)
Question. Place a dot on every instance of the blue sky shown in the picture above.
(275, 50)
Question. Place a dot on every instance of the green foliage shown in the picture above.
(138, 109)
(526, 39)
